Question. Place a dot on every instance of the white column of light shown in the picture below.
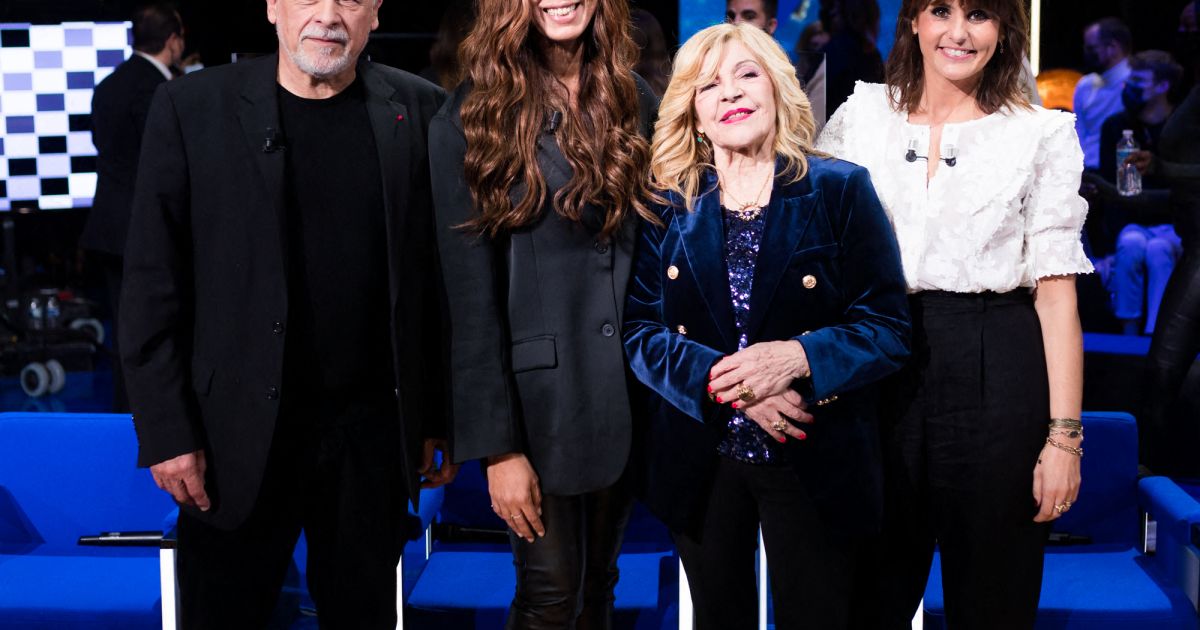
(762, 582)
(400, 592)
(687, 617)
(168, 588)
(1035, 36)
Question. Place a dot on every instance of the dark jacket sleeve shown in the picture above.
(667, 362)
(156, 301)
(435, 350)
(873, 341)
(485, 419)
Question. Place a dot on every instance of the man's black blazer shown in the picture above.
(119, 107)
(205, 308)
(537, 364)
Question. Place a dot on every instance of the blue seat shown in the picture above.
(1174, 507)
(1108, 583)
(63, 476)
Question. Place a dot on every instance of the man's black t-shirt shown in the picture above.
(338, 353)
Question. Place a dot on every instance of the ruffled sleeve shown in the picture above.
(1054, 211)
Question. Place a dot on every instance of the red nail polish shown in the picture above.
(782, 440)
(719, 399)
(803, 436)
(734, 405)
(710, 389)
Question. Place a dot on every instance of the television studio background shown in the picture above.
(55, 316)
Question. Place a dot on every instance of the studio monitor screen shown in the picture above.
(47, 160)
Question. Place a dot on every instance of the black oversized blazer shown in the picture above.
(537, 364)
(205, 303)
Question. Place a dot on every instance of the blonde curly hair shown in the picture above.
(678, 159)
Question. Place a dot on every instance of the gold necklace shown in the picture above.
(746, 211)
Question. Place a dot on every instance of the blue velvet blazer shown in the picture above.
(828, 275)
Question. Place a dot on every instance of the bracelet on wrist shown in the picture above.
(1067, 433)
(1074, 450)
(1065, 423)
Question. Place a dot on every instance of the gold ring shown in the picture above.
(513, 517)
(1062, 507)
(745, 394)
(779, 425)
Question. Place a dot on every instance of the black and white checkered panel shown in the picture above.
(48, 71)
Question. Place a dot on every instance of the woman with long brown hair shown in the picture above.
(983, 446)
(540, 170)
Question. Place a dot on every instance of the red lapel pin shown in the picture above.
(400, 117)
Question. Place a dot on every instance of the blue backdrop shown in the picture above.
(793, 16)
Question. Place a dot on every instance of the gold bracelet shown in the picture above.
(1072, 433)
(1066, 423)
(1074, 450)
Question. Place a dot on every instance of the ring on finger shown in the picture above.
(744, 393)
(779, 425)
(514, 516)
(1062, 507)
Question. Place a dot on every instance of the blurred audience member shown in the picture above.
(813, 38)
(760, 13)
(119, 107)
(1148, 247)
(654, 63)
(811, 68)
(851, 54)
(443, 55)
(1106, 47)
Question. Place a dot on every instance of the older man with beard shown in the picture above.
(281, 333)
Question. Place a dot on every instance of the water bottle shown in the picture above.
(1129, 180)
(53, 311)
(36, 314)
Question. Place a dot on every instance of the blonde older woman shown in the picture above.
(763, 307)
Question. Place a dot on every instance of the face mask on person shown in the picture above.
(1134, 99)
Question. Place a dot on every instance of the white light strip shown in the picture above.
(1035, 36)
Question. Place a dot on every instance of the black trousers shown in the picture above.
(963, 426)
(566, 578)
(811, 569)
(112, 268)
(338, 483)
(1168, 447)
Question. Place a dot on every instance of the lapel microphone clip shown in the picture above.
(272, 141)
(949, 150)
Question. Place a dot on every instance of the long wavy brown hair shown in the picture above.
(1001, 84)
(511, 94)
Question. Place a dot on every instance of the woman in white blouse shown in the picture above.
(983, 446)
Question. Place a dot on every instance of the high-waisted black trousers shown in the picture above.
(963, 425)
(566, 578)
(810, 566)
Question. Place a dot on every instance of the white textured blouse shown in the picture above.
(1005, 215)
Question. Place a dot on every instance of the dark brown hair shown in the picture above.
(511, 95)
(1001, 84)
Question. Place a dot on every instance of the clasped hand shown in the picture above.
(766, 369)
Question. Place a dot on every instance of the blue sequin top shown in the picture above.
(745, 441)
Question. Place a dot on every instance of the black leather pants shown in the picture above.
(566, 578)
(1176, 342)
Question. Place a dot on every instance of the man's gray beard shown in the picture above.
(323, 66)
